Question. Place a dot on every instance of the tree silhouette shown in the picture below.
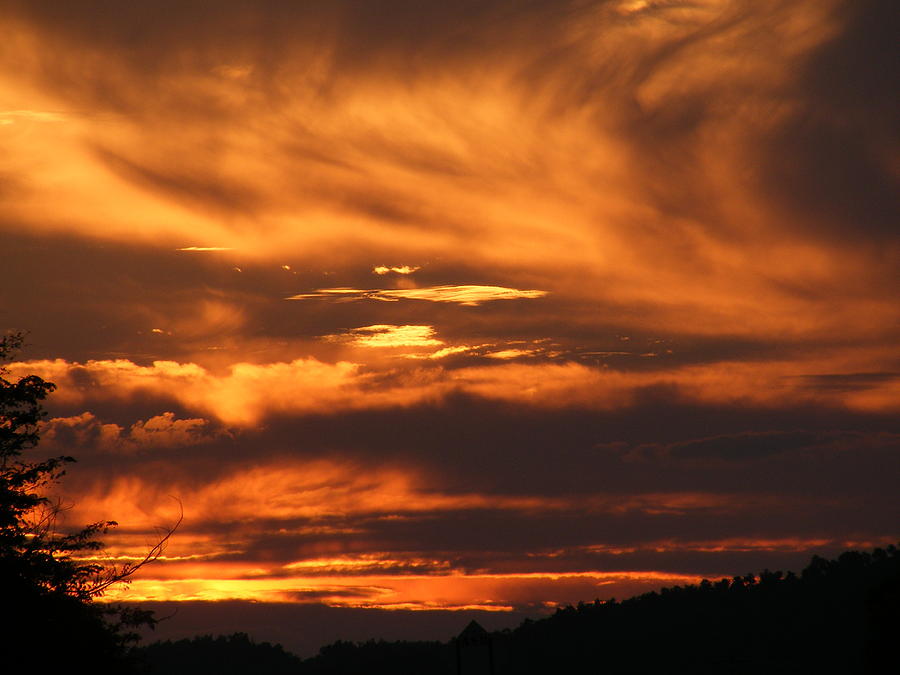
(47, 587)
(837, 616)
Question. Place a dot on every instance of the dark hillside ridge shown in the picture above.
(836, 616)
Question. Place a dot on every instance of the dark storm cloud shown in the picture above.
(83, 299)
(346, 591)
(482, 444)
(848, 381)
(833, 167)
(197, 187)
(753, 446)
(477, 442)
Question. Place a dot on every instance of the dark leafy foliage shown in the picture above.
(49, 581)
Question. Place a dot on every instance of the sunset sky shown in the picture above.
(426, 311)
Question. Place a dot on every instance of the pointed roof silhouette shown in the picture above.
(473, 634)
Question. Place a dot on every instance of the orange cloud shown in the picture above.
(160, 431)
(241, 397)
(492, 592)
(505, 354)
(463, 295)
(8, 117)
(248, 392)
(381, 270)
(386, 335)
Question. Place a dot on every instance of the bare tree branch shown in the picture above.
(114, 575)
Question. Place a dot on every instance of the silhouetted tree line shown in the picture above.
(836, 616)
(224, 655)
